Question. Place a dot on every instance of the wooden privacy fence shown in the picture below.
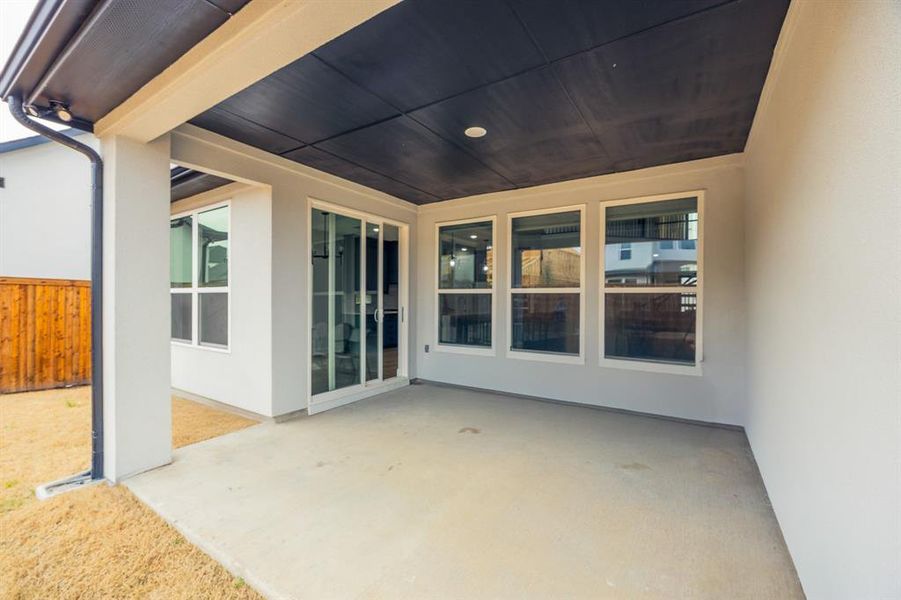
(45, 333)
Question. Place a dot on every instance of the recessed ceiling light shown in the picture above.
(462, 249)
(475, 132)
(473, 237)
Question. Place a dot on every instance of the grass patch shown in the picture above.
(99, 542)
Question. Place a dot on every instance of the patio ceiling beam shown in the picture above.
(263, 37)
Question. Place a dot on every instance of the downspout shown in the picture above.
(96, 472)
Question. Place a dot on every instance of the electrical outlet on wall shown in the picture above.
(426, 347)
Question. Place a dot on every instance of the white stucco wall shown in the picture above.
(45, 212)
(292, 185)
(824, 287)
(716, 396)
(242, 375)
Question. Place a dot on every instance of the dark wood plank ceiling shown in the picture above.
(184, 183)
(565, 88)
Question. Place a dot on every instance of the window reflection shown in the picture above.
(213, 320)
(213, 248)
(181, 316)
(180, 235)
(652, 244)
(464, 319)
(658, 327)
(465, 256)
(545, 323)
(547, 250)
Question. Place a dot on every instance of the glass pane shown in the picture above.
(465, 256)
(372, 301)
(652, 244)
(658, 327)
(545, 323)
(390, 299)
(181, 317)
(464, 319)
(213, 319)
(336, 301)
(547, 250)
(180, 231)
(212, 246)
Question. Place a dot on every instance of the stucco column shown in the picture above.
(136, 320)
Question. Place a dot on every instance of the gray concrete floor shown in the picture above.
(433, 492)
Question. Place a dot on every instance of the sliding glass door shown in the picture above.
(336, 352)
(356, 301)
(390, 310)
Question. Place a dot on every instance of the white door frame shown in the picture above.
(339, 397)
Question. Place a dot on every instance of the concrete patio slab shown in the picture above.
(435, 492)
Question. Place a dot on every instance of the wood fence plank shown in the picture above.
(45, 333)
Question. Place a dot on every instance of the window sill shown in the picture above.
(200, 347)
(652, 367)
(566, 359)
(471, 350)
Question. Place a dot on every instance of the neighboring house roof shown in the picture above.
(34, 140)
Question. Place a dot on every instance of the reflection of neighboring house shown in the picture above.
(637, 263)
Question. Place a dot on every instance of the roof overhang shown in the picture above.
(49, 29)
(113, 64)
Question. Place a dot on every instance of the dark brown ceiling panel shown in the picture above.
(657, 80)
(406, 151)
(426, 50)
(565, 89)
(541, 139)
(238, 128)
(185, 183)
(571, 26)
(329, 163)
(682, 136)
(308, 101)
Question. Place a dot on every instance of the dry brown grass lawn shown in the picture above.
(99, 542)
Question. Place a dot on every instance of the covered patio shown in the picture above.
(674, 223)
(441, 492)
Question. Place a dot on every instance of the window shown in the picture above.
(546, 280)
(650, 303)
(198, 272)
(466, 285)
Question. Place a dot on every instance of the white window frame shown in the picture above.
(196, 290)
(644, 364)
(547, 356)
(462, 348)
